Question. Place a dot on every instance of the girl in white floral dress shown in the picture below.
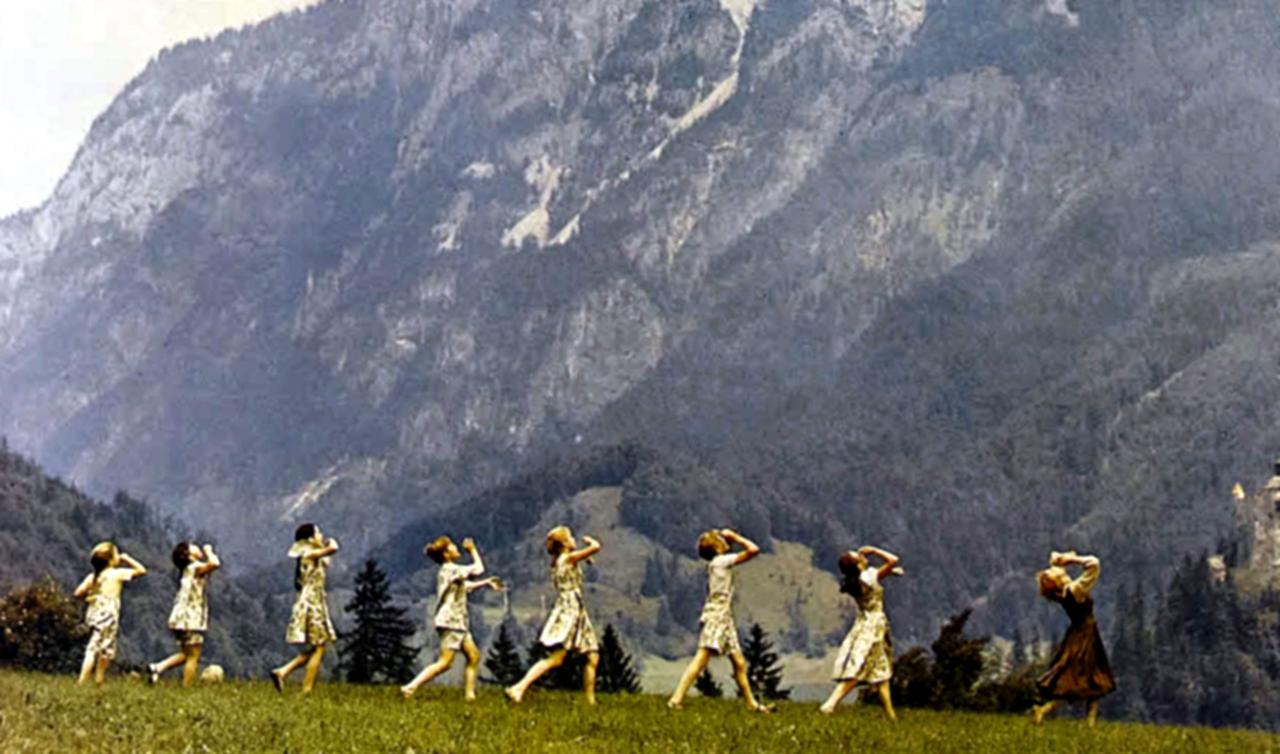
(189, 618)
(112, 569)
(719, 635)
(453, 584)
(866, 656)
(309, 624)
(568, 627)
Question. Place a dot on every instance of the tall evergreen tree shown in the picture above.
(764, 674)
(707, 686)
(616, 673)
(378, 646)
(567, 677)
(503, 662)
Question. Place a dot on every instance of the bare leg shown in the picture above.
(313, 669)
(842, 689)
(469, 673)
(172, 661)
(886, 700)
(86, 668)
(691, 673)
(441, 664)
(100, 673)
(191, 664)
(540, 668)
(744, 686)
(284, 670)
(1039, 711)
(589, 676)
(1093, 713)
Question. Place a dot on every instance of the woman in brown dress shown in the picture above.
(1079, 671)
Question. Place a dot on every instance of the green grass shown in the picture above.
(41, 713)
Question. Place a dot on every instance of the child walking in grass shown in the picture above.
(719, 635)
(568, 627)
(101, 589)
(450, 614)
(866, 655)
(309, 624)
(1079, 670)
(189, 618)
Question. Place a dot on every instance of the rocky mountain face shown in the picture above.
(969, 279)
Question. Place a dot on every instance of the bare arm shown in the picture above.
(1084, 583)
(82, 591)
(477, 565)
(212, 562)
(592, 548)
(888, 564)
(749, 549)
(493, 582)
(323, 552)
(136, 569)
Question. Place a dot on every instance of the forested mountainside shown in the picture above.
(48, 527)
(970, 280)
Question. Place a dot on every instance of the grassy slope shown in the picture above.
(43, 713)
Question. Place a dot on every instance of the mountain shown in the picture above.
(47, 529)
(971, 279)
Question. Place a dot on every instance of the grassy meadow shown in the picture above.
(40, 713)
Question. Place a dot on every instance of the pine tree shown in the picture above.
(567, 677)
(763, 672)
(503, 662)
(378, 646)
(707, 686)
(616, 673)
(958, 661)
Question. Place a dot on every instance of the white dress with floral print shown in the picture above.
(568, 627)
(190, 612)
(309, 623)
(719, 632)
(866, 655)
(451, 620)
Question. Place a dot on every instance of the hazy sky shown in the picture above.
(62, 62)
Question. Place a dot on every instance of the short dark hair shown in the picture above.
(182, 555)
(306, 531)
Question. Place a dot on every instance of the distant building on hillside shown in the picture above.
(1258, 525)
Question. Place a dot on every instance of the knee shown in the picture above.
(593, 659)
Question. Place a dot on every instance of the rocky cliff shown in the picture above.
(949, 274)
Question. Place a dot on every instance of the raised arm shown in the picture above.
(211, 562)
(136, 569)
(889, 561)
(477, 565)
(593, 546)
(323, 552)
(1092, 568)
(82, 591)
(749, 549)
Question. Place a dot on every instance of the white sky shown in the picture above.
(63, 61)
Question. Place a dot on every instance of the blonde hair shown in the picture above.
(1051, 581)
(711, 543)
(558, 540)
(101, 556)
(437, 548)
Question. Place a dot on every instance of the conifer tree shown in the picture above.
(616, 673)
(503, 662)
(567, 677)
(707, 686)
(378, 646)
(763, 672)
